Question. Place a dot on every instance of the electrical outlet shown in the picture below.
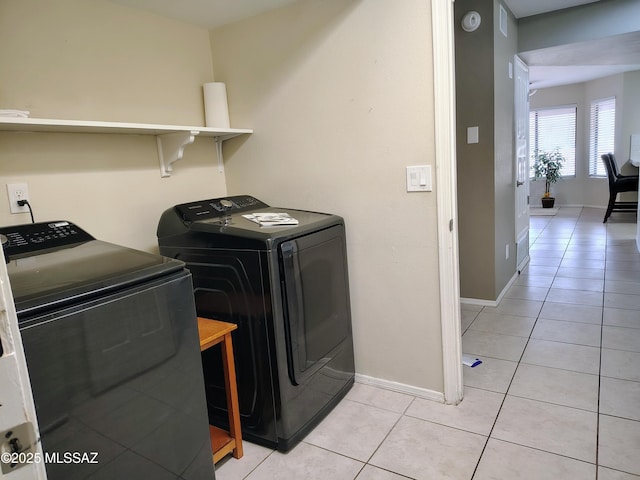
(17, 191)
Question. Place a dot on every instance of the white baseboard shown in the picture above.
(586, 206)
(478, 301)
(491, 303)
(401, 388)
(577, 205)
(523, 264)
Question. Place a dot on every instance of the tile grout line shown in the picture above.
(402, 414)
(519, 359)
(604, 283)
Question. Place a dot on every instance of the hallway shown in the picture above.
(564, 345)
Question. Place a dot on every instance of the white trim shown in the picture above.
(503, 21)
(492, 303)
(478, 301)
(638, 230)
(446, 197)
(17, 405)
(523, 264)
(573, 205)
(401, 388)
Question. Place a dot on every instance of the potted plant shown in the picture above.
(548, 165)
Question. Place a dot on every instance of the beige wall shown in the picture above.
(95, 60)
(340, 96)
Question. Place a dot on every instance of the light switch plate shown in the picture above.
(472, 135)
(419, 178)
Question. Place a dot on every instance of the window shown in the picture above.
(554, 128)
(601, 134)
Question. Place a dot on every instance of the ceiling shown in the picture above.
(583, 61)
(548, 67)
(215, 13)
(206, 13)
(526, 8)
(577, 62)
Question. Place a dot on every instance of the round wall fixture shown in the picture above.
(471, 21)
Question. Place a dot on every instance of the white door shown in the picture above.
(521, 116)
(18, 425)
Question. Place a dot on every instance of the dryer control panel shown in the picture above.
(218, 207)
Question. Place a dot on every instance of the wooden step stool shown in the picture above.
(213, 332)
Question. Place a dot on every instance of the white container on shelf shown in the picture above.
(216, 109)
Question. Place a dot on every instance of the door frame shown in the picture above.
(521, 190)
(446, 196)
(17, 406)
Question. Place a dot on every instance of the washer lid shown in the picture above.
(57, 277)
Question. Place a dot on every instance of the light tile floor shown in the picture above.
(556, 397)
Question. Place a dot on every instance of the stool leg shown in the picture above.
(232, 393)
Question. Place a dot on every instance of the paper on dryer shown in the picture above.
(271, 219)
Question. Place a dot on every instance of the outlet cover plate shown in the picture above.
(15, 192)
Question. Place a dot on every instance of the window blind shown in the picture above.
(602, 127)
(551, 129)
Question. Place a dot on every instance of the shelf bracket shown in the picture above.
(219, 154)
(171, 149)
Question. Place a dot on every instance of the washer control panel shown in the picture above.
(19, 239)
(218, 207)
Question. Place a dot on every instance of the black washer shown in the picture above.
(113, 353)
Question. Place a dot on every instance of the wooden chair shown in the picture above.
(618, 184)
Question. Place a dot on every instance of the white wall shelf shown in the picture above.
(171, 139)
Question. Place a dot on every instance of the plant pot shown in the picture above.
(547, 202)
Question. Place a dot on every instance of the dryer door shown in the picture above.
(316, 300)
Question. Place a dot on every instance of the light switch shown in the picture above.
(472, 135)
(419, 178)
